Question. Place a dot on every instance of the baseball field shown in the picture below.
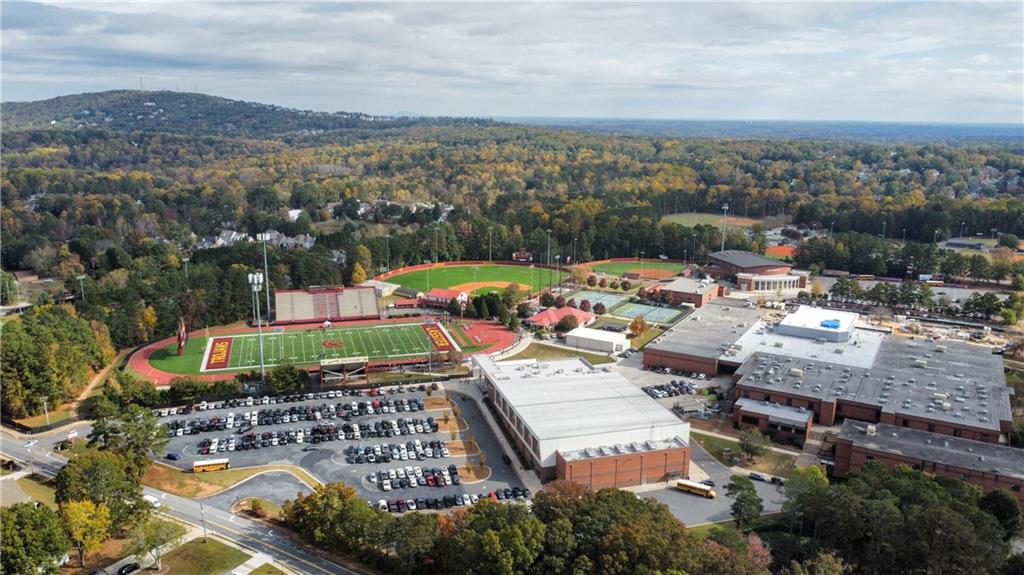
(477, 278)
(691, 219)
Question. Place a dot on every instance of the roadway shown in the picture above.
(253, 536)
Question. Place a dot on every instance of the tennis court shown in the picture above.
(595, 297)
(649, 312)
(380, 342)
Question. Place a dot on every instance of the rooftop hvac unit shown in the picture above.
(946, 406)
(872, 430)
(778, 344)
(940, 396)
(920, 363)
(796, 372)
(839, 351)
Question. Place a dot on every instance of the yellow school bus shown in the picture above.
(210, 465)
(695, 488)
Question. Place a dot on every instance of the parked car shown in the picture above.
(129, 568)
(757, 477)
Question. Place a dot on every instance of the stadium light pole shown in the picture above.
(962, 229)
(831, 228)
(428, 262)
(489, 230)
(266, 270)
(549, 258)
(436, 230)
(725, 212)
(641, 264)
(81, 287)
(186, 271)
(387, 241)
(256, 281)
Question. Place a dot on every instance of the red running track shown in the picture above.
(497, 335)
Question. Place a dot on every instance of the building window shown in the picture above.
(931, 428)
(749, 420)
(871, 458)
(789, 401)
(958, 433)
(984, 437)
(963, 476)
(1015, 488)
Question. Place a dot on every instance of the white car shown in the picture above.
(409, 471)
(474, 498)
(410, 504)
(392, 474)
(400, 472)
(152, 500)
(386, 485)
(231, 421)
(382, 505)
(418, 471)
(248, 402)
(444, 452)
(163, 412)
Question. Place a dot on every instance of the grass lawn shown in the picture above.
(691, 219)
(619, 268)
(39, 489)
(772, 462)
(188, 484)
(548, 352)
(761, 522)
(204, 558)
(646, 337)
(448, 276)
(299, 347)
(270, 509)
(266, 569)
(56, 416)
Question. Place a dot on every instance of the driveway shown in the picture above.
(693, 510)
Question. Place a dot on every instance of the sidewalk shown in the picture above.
(782, 450)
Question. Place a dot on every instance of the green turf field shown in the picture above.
(299, 347)
(445, 277)
(691, 219)
(619, 268)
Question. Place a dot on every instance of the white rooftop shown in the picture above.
(570, 398)
(598, 334)
(859, 351)
(808, 317)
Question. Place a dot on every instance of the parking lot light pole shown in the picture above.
(256, 281)
(81, 287)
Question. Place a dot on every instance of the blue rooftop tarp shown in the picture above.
(830, 323)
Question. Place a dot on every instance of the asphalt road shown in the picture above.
(254, 536)
(693, 510)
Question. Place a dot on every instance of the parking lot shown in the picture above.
(333, 457)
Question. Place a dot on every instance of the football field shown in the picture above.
(376, 343)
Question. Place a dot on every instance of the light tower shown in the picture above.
(725, 212)
(256, 282)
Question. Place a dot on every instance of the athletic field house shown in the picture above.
(569, 420)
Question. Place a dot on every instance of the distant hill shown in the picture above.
(190, 113)
(766, 129)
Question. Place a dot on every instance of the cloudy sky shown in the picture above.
(927, 62)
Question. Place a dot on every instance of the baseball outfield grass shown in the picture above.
(463, 277)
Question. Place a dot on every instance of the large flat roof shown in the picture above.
(775, 412)
(742, 259)
(570, 398)
(709, 330)
(860, 350)
(598, 334)
(688, 285)
(947, 450)
(948, 381)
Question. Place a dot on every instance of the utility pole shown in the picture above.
(266, 270)
(725, 212)
(202, 519)
(256, 281)
(46, 411)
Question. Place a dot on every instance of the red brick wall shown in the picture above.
(625, 470)
(704, 365)
(694, 299)
(795, 437)
(850, 458)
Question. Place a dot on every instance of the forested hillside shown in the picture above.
(125, 193)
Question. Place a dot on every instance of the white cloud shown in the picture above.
(912, 62)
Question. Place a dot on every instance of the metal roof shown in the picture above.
(742, 259)
(916, 444)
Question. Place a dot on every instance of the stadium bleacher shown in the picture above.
(321, 304)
